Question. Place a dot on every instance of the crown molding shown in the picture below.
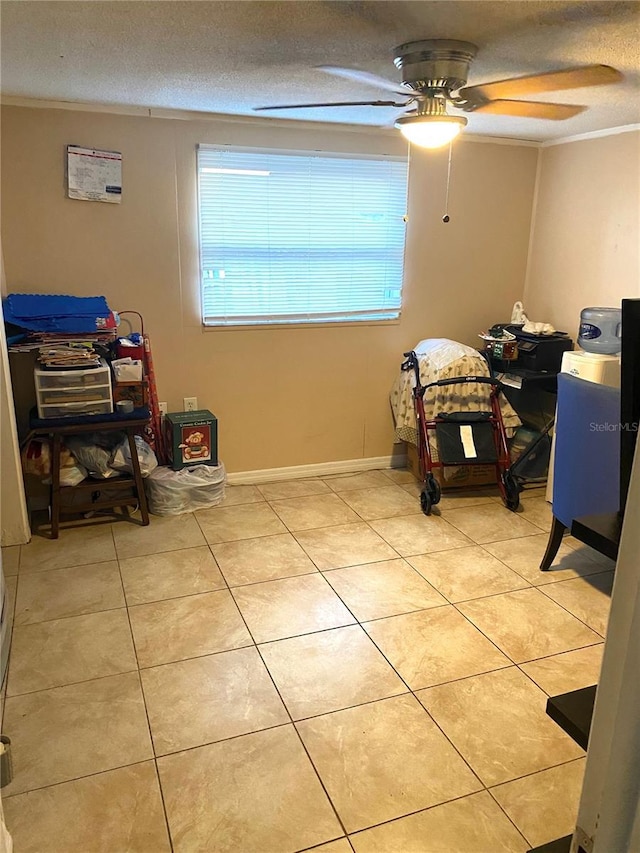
(194, 115)
(593, 134)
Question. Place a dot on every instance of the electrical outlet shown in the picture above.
(190, 404)
(164, 408)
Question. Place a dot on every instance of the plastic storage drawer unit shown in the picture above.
(73, 393)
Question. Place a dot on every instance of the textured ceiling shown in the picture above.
(227, 57)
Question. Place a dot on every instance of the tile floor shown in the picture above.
(313, 665)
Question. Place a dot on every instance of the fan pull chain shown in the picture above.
(446, 216)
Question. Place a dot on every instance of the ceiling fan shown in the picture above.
(434, 76)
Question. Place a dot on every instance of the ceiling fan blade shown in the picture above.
(530, 109)
(551, 81)
(334, 104)
(364, 77)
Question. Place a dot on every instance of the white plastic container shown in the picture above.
(73, 393)
(593, 367)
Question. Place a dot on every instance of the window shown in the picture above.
(300, 237)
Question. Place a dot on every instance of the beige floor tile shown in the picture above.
(256, 793)
(120, 810)
(462, 498)
(434, 646)
(401, 476)
(236, 495)
(64, 651)
(307, 513)
(344, 545)
(264, 559)
(293, 489)
(544, 806)
(383, 760)
(284, 608)
(532, 492)
(537, 510)
(363, 480)
(474, 824)
(525, 555)
(589, 599)
(525, 627)
(417, 534)
(11, 586)
(211, 698)
(413, 488)
(181, 628)
(163, 534)
(489, 523)
(77, 730)
(68, 592)
(229, 524)
(466, 573)
(10, 560)
(498, 723)
(568, 671)
(339, 846)
(602, 560)
(384, 502)
(383, 589)
(318, 673)
(170, 575)
(78, 546)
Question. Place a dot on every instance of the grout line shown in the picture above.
(491, 790)
(288, 712)
(76, 779)
(146, 711)
(358, 622)
(509, 818)
(71, 616)
(35, 572)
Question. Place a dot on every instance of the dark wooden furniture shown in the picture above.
(573, 712)
(57, 428)
(630, 392)
(560, 845)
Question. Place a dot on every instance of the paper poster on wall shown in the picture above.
(94, 175)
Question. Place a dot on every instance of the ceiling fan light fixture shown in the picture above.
(430, 131)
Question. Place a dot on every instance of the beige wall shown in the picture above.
(283, 396)
(14, 522)
(586, 233)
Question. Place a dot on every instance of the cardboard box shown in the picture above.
(137, 392)
(455, 476)
(192, 438)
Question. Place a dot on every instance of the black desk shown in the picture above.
(56, 428)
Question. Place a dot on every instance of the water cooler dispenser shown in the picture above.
(598, 360)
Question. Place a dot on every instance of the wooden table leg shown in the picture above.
(137, 476)
(55, 486)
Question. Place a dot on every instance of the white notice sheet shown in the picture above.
(94, 175)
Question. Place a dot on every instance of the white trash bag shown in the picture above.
(174, 492)
(121, 459)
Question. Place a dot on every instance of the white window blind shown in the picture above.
(300, 237)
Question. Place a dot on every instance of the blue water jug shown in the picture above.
(600, 330)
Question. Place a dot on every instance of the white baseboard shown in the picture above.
(320, 469)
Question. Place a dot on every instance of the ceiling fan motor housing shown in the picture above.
(436, 64)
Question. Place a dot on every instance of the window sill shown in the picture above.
(261, 327)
